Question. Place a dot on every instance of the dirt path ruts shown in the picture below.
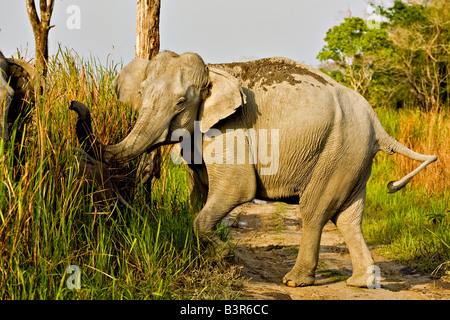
(266, 238)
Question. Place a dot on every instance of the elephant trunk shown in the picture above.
(147, 134)
(83, 130)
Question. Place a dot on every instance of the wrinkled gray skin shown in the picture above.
(328, 136)
(126, 85)
(17, 80)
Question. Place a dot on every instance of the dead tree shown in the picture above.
(41, 27)
(147, 28)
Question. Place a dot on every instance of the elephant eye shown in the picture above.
(181, 101)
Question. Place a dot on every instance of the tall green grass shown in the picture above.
(48, 220)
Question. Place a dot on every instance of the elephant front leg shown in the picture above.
(206, 222)
(198, 187)
(225, 193)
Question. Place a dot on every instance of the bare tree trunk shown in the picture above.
(40, 29)
(147, 28)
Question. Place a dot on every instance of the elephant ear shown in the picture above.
(24, 79)
(225, 97)
(128, 82)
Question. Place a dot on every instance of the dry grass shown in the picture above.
(413, 224)
(426, 133)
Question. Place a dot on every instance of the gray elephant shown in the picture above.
(270, 129)
(17, 83)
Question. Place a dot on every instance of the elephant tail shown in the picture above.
(389, 145)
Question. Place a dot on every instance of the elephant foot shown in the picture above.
(358, 281)
(214, 247)
(298, 280)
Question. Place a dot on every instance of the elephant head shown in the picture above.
(17, 84)
(171, 92)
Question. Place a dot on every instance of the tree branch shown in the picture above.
(46, 13)
(32, 14)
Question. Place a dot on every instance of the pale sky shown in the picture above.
(218, 30)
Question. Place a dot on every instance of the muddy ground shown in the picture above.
(266, 235)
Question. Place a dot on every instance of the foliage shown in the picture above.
(360, 55)
(403, 62)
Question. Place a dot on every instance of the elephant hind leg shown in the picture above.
(317, 205)
(349, 224)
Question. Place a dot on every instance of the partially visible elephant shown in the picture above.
(319, 136)
(17, 84)
(91, 171)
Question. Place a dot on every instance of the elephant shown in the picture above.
(18, 80)
(321, 137)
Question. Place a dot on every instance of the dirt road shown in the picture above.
(266, 238)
